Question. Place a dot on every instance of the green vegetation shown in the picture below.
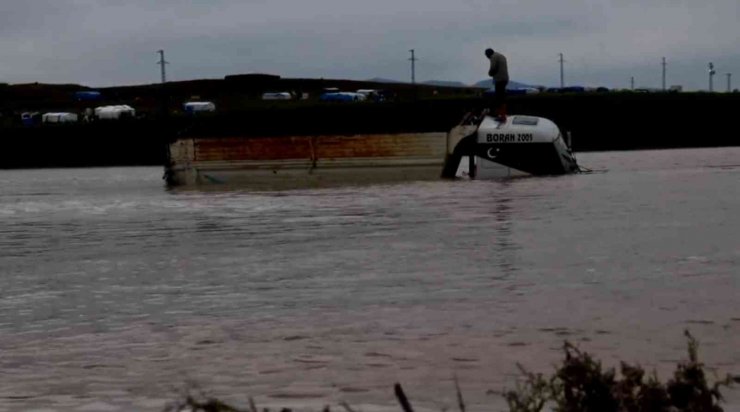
(579, 384)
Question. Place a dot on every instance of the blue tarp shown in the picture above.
(88, 95)
(343, 97)
(336, 97)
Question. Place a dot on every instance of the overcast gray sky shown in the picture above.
(605, 42)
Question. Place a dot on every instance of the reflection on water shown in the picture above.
(504, 243)
(117, 293)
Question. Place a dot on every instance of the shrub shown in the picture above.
(581, 384)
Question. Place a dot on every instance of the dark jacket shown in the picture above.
(499, 69)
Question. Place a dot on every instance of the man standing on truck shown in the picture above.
(499, 71)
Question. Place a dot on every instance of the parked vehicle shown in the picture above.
(60, 117)
(277, 96)
(512, 91)
(30, 118)
(573, 89)
(199, 107)
(342, 97)
(114, 112)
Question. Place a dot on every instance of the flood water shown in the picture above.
(118, 295)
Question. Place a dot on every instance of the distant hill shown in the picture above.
(382, 80)
(438, 83)
(488, 83)
(444, 83)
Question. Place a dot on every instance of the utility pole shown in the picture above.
(632, 83)
(562, 76)
(163, 98)
(664, 64)
(162, 63)
(729, 82)
(711, 77)
(413, 67)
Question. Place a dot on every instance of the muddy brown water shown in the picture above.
(118, 294)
